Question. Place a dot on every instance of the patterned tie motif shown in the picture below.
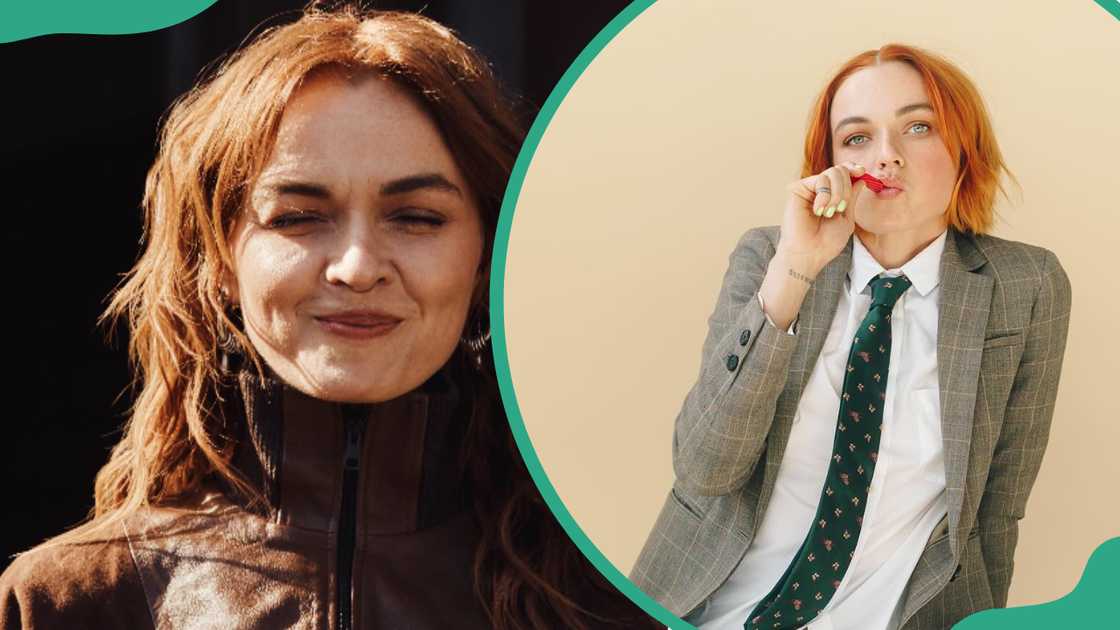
(812, 578)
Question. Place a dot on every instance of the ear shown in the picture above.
(230, 290)
(481, 282)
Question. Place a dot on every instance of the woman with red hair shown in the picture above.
(878, 379)
(318, 440)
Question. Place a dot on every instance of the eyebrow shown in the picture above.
(412, 183)
(902, 111)
(304, 189)
(430, 181)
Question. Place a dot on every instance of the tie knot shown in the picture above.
(886, 290)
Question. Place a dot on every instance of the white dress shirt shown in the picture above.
(907, 494)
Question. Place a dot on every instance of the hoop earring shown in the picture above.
(230, 353)
(478, 337)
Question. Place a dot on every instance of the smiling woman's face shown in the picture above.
(873, 124)
(357, 257)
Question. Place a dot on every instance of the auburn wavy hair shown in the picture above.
(213, 143)
(962, 120)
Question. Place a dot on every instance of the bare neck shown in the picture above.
(895, 249)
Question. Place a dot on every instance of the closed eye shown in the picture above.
(418, 220)
(290, 219)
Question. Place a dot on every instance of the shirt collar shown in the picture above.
(923, 270)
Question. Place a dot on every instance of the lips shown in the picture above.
(890, 182)
(888, 193)
(358, 325)
(360, 318)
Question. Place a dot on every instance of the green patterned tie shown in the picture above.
(812, 578)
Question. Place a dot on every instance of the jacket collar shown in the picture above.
(292, 448)
(966, 299)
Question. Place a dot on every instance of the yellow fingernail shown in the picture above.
(831, 211)
(818, 211)
(843, 204)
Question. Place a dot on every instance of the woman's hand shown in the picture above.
(818, 222)
(816, 226)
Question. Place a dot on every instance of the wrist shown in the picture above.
(783, 289)
(790, 330)
(801, 268)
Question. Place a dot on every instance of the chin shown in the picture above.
(884, 222)
(358, 393)
(348, 383)
(355, 389)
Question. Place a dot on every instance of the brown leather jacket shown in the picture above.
(362, 499)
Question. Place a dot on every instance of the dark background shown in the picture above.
(79, 116)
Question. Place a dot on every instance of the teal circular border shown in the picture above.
(501, 354)
(498, 318)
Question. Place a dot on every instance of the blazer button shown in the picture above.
(744, 337)
(732, 362)
(956, 573)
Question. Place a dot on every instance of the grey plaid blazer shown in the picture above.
(1002, 324)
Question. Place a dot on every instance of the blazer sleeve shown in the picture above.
(720, 432)
(1026, 427)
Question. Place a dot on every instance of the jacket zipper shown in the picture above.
(347, 521)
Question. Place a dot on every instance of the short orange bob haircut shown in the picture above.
(962, 121)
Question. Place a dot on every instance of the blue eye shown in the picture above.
(849, 142)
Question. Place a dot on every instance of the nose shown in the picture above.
(361, 263)
(889, 156)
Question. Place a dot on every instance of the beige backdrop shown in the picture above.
(684, 132)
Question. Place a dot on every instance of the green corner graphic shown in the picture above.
(21, 20)
(1087, 605)
(1073, 611)
(1112, 6)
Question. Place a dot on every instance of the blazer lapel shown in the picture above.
(815, 320)
(965, 300)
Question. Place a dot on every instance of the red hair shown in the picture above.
(962, 121)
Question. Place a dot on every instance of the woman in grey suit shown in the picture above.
(877, 383)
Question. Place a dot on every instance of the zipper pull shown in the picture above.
(353, 444)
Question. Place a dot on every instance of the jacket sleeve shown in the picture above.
(720, 432)
(1026, 428)
(89, 586)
